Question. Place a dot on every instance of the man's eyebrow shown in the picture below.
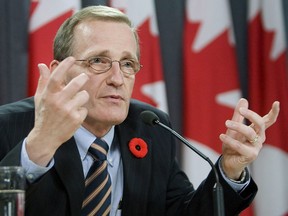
(124, 55)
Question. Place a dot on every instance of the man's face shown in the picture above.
(109, 92)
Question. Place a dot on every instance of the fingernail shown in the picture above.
(229, 123)
(222, 136)
(242, 110)
(40, 67)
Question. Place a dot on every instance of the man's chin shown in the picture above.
(117, 120)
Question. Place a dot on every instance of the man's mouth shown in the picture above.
(114, 97)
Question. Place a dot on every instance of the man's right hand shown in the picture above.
(59, 111)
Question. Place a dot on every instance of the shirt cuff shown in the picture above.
(237, 186)
(32, 170)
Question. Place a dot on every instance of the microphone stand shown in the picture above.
(218, 197)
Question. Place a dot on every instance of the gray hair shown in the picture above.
(63, 42)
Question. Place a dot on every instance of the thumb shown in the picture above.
(271, 117)
(43, 79)
(42, 82)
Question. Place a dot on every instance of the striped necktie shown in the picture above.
(97, 198)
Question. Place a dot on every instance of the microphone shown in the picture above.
(150, 118)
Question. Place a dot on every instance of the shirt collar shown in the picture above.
(85, 138)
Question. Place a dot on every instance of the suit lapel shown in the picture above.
(69, 168)
(137, 171)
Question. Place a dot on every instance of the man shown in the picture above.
(86, 95)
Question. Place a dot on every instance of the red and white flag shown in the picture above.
(149, 86)
(211, 85)
(46, 16)
(268, 81)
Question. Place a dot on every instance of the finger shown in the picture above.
(244, 132)
(83, 113)
(271, 117)
(256, 120)
(236, 115)
(42, 83)
(43, 79)
(73, 87)
(57, 78)
(249, 152)
(79, 100)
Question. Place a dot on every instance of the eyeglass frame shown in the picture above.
(88, 62)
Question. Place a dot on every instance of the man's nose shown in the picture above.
(116, 75)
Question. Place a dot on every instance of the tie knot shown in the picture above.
(99, 149)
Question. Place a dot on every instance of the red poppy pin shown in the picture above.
(138, 147)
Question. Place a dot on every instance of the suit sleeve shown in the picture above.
(184, 198)
(16, 121)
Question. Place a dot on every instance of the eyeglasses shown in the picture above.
(102, 64)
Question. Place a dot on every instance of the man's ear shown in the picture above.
(53, 65)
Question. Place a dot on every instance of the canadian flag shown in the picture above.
(268, 81)
(211, 85)
(149, 85)
(46, 16)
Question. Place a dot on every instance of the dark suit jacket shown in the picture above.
(153, 185)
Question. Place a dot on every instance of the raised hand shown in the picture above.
(242, 143)
(59, 110)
